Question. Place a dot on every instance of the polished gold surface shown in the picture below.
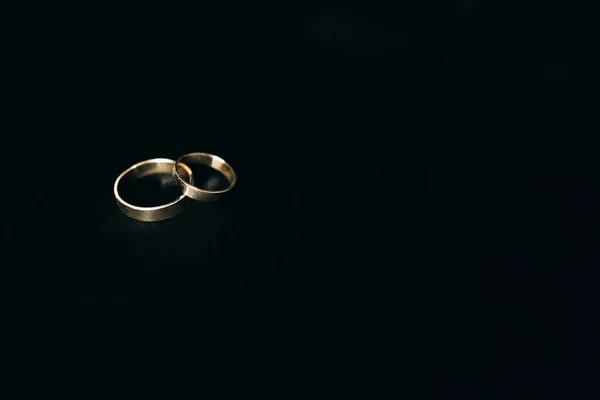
(211, 161)
(152, 167)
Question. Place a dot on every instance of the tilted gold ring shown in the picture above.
(146, 168)
(211, 161)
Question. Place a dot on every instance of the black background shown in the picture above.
(397, 223)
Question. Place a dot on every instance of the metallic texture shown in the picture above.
(210, 160)
(151, 167)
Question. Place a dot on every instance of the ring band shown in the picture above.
(211, 161)
(146, 168)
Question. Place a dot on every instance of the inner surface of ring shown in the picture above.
(210, 174)
(150, 185)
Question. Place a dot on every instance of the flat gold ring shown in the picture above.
(146, 168)
(212, 161)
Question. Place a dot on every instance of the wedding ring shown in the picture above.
(146, 168)
(211, 161)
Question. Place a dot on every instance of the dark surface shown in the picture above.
(397, 217)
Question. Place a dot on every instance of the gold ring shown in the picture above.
(146, 168)
(209, 160)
